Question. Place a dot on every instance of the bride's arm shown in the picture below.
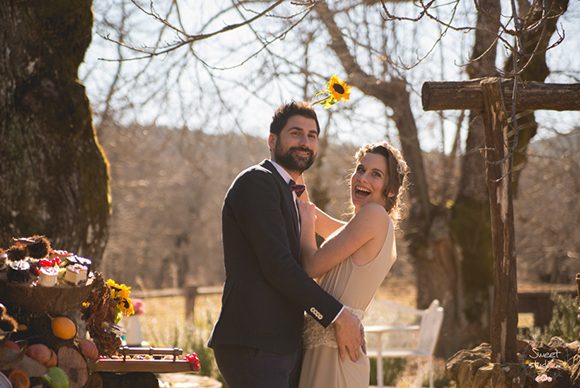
(370, 221)
(325, 224)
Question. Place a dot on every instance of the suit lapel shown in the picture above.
(286, 193)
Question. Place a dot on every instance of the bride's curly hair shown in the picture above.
(397, 174)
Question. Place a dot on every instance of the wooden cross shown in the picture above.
(493, 98)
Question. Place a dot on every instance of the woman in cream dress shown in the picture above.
(352, 262)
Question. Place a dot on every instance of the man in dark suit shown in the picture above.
(257, 339)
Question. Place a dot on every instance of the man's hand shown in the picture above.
(349, 335)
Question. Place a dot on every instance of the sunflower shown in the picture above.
(120, 295)
(338, 89)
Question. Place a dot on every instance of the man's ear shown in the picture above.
(272, 141)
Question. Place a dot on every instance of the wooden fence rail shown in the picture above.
(538, 303)
(188, 292)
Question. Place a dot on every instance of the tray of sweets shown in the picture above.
(147, 359)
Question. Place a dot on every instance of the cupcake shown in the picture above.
(19, 271)
(76, 274)
(48, 276)
(74, 259)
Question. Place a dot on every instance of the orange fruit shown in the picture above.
(63, 328)
(18, 378)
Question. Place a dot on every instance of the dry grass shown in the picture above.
(167, 313)
(165, 317)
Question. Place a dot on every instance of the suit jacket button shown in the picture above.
(316, 313)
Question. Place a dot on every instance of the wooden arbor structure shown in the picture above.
(495, 98)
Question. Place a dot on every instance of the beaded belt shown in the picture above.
(315, 334)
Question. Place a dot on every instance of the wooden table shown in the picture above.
(124, 372)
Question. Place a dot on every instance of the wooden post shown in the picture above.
(498, 158)
(190, 295)
(578, 285)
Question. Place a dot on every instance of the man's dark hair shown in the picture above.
(293, 108)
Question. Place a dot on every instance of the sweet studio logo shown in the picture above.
(541, 361)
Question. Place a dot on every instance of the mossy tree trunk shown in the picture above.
(53, 173)
(470, 223)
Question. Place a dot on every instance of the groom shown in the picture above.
(257, 338)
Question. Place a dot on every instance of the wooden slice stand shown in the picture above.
(38, 299)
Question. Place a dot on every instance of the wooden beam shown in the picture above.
(530, 95)
(498, 165)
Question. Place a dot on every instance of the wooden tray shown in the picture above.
(126, 365)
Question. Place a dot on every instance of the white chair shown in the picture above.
(394, 330)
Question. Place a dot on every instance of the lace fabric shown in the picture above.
(315, 334)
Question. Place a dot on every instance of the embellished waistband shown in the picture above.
(315, 334)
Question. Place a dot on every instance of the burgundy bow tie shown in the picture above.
(298, 189)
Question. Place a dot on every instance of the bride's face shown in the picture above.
(368, 182)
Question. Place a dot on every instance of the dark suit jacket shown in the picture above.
(266, 291)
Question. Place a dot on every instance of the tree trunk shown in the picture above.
(470, 221)
(532, 64)
(53, 173)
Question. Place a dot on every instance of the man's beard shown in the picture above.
(291, 162)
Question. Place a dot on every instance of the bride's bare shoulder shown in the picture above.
(374, 210)
(372, 216)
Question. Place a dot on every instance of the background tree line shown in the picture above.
(168, 186)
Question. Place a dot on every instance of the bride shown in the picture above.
(353, 261)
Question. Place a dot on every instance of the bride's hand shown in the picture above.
(307, 212)
(305, 196)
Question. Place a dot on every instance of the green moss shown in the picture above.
(471, 230)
